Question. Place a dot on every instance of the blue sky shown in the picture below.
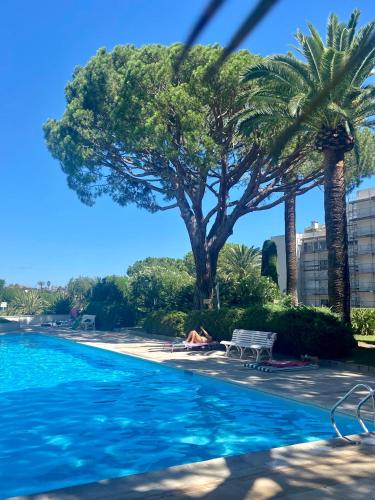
(46, 233)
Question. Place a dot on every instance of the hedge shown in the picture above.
(363, 321)
(301, 330)
(110, 315)
(166, 323)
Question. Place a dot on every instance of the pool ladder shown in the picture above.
(370, 395)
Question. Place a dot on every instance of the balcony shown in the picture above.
(362, 268)
(358, 233)
(316, 291)
(363, 286)
(362, 303)
(362, 213)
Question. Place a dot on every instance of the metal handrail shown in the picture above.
(371, 394)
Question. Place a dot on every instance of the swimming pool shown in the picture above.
(73, 414)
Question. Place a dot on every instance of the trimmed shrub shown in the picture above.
(111, 315)
(301, 330)
(220, 324)
(166, 323)
(110, 304)
(363, 321)
(269, 260)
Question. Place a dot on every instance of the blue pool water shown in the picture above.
(75, 414)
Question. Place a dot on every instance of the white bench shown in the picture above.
(258, 342)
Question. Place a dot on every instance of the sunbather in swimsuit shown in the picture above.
(199, 338)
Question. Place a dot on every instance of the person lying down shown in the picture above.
(199, 336)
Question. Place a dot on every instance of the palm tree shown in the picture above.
(41, 284)
(293, 84)
(239, 261)
(291, 247)
(28, 302)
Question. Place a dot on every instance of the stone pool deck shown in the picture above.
(326, 469)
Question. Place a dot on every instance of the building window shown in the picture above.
(323, 265)
(324, 302)
(322, 245)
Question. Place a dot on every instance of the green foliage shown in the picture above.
(219, 324)
(28, 302)
(80, 290)
(289, 86)
(359, 166)
(301, 330)
(363, 321)
(9, 293)
(126, 110)
(61, 305)
(189, 263)
(162, 288)
(166, 323)
(269, 260)
(238, 261)
(110, 302)
(155, 262)
(248, 291)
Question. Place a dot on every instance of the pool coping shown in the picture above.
(189, 480)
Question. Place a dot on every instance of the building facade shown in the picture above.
(312, 256)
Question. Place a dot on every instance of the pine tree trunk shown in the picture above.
(290, 247)
(206, 267)
(336, 233)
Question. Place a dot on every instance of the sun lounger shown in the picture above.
(173, 346)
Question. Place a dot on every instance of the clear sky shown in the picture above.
(45, 232)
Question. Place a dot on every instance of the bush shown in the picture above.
(166, 323)
(111, 315)
(363, 321)
(110, 304)
(248, 291)
(220, 324)
(301, 330)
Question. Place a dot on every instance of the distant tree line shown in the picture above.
(151, 284)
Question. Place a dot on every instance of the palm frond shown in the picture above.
(316, 35)
(313, 54)
(271, 70)
(352, 24)
(333, 22)
(301, 69)
(296, 104)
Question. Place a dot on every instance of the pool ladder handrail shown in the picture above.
(371, 394)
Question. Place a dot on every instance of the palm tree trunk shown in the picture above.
(336, 233)
(290, 247)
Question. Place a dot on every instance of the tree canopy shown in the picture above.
(137, 131)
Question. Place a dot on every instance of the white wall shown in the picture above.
(37, 319)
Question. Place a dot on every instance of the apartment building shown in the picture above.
(312, 256)
(361, 232)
